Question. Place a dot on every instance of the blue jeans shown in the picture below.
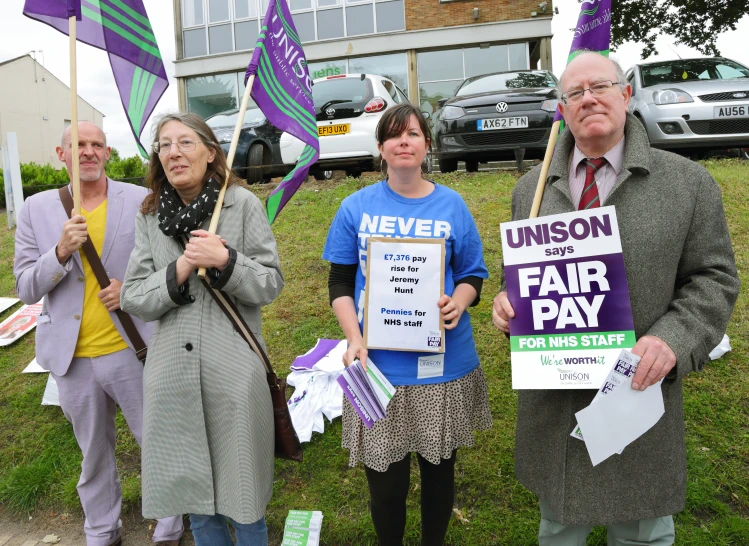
(214, 531)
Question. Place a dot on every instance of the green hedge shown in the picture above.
(37, 178)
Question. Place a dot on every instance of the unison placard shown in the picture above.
(405, 279)
(566, 281)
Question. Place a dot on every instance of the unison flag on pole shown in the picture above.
(283, 91)
(592, 33)
(121, 28)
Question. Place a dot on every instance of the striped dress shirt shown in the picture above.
(605, 177)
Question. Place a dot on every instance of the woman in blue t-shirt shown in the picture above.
(435, 409)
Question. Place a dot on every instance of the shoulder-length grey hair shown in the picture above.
(156, 177)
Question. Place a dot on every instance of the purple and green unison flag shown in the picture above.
(592, 33)
(283, 91)
(121, 28)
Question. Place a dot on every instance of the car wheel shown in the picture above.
(744, 153)
(472, 165)
(448, 165)
(353, 173)
(323, 175)
(426, 165)
(255, 164)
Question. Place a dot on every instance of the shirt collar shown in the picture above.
(615, 156)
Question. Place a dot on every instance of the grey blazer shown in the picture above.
(39, 274)
(683, 285)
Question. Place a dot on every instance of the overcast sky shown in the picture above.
(20, 35)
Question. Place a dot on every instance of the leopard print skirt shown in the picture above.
(431, 420)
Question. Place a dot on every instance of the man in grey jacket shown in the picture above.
(683, 285)
(79, 339)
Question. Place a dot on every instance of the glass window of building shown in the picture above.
(245, 35)
(219, 39)
(305, 25)
(359, 20)
(329, 24)
(391, 16)
(208, 95)
(297, 5)
(440, 65)
(314, 20)
(194, 42)
(394, 66)
(192, 13)
(518, 56)
(245, 9)
(485, 60)
(218, 11)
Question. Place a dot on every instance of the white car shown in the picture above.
(347, 109)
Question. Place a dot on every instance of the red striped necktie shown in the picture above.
(590, 198)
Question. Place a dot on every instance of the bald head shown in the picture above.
(595, 120)
(90, 127)
(586, 58)
(93, 152)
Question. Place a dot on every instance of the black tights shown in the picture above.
(388, 491)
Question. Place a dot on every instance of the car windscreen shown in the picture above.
(507, 80)
(691, 70)
(253, 116)
(350, 93)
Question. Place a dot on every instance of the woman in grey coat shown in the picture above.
(208, 420)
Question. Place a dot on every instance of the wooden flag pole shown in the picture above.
(230, 161)
(75, 176)
(545, 169)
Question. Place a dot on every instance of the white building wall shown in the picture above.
(36, 106)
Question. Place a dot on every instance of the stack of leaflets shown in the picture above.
(302, 528)
(368, 391)
(624, 368)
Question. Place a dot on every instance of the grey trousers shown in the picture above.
(644, 532)
(90, 392)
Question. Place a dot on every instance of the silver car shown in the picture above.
(692, 103)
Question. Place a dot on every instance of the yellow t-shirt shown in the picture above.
(98, 335)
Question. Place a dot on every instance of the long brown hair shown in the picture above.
(156, 177)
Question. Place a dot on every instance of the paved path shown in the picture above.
(18, 530)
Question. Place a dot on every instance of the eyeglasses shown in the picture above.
(184, 145)
(597, 89)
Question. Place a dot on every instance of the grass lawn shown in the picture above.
(40, 461)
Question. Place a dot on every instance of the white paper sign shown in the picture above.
(405, 279)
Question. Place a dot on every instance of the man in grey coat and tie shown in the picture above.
(683, 285)
(79, 339)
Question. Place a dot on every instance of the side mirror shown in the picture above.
(442, 102)
(426, 115)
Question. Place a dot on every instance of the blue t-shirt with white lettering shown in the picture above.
(377, 211)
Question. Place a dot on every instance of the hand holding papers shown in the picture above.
(405, 279)
(619, 414)
(368, 391)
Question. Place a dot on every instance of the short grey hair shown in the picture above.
(617, 68)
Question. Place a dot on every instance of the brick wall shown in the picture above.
(421, 14)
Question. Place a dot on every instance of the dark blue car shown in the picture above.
(258, 156)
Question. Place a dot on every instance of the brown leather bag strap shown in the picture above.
(101, 275)
(232, 313)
